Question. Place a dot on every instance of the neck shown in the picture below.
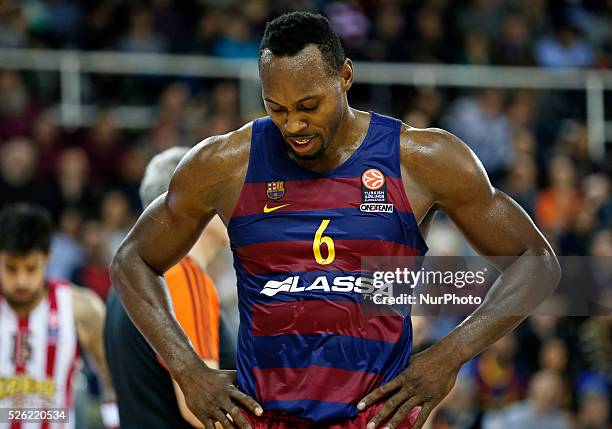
(347, 139)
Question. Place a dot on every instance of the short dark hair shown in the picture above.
(290, 33)
(25, 228)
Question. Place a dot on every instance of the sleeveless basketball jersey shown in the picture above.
(38, 356)
(304, 346)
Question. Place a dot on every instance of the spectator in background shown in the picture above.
(225, 101)
(514, 48)
(172, 104)
(481, 14)
(459, 409)
(94, 271)
(47, 137)
(576, 239)
(564, 48)
(479, 121)
(117, 220)
(387, 40)
(18, 179)
(13, 29)
(498, 378)
(429, 45)
(350, 22)
(102, 27)
(173, 21)
(541, 410)
(476, 48)
(574, 142)
(141, 36)
(67, 253)
(594, 408)
(556, 205)
(17, 110)
(521, 111)
(554, 357)
(596, 346)
(257, 13)
(597, 199)
(133, 164)
(73, 182)
(104, 146)
(521, 183)
(236, 40)
(524, 143)
(208, 31)
(594, 213)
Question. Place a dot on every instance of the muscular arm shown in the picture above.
(495, 226)
(89, 314)
(444, 174)
(163, 235)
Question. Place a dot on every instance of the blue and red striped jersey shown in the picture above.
(304, 345)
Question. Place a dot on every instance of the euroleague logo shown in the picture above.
(374, 192)
(373, 179)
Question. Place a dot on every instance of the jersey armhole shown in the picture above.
(403, 195)
(257, 127)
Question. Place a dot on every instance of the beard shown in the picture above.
(22, 303)
(318, 154)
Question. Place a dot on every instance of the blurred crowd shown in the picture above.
(552, 372)
(550, 33)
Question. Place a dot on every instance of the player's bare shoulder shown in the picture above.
(437, 161)
(213, 171)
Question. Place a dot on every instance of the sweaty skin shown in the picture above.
(439, 173)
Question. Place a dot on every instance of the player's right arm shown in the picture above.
(162, 236)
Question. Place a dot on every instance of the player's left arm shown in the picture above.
(454, 181)
(89, 315)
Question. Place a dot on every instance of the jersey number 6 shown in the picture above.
(319, 239)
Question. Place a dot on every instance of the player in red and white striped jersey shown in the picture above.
(42, 324)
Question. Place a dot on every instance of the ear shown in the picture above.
(346, 74)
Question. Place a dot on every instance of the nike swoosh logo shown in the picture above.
(267, 209)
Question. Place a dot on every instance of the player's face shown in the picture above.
(305, 100)
(22, 277)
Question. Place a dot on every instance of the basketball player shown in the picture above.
(42, 324)
(302, 196)
(146, 395)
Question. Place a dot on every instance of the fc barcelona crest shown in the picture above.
(275, 190)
